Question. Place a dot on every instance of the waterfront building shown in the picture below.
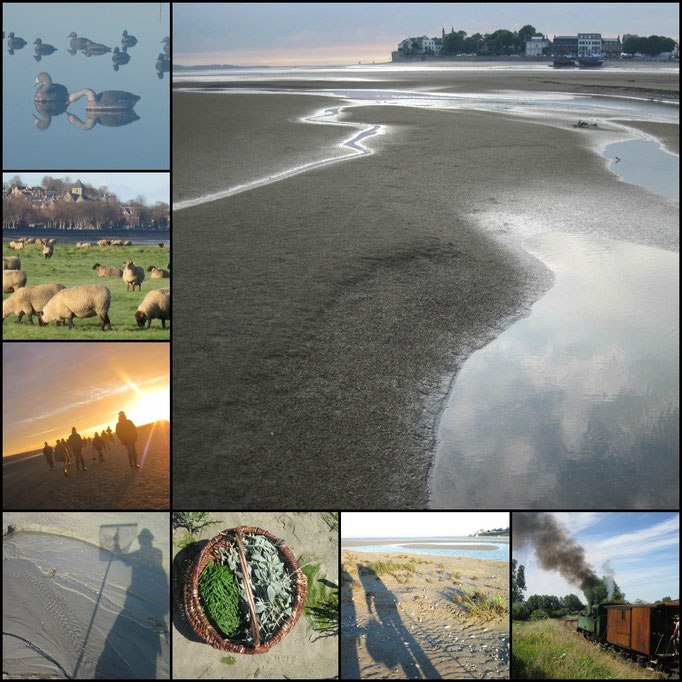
(611, 48)
(535, 47)
(589, 44)
(563, 45)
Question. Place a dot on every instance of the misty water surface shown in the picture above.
(136, 140)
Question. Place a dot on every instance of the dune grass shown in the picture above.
(546, 649)
(480, 607)
(391, 566)
(72, 266)
(322, 599)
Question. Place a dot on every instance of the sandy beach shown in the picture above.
(111, 484)
(85, 595)
(350, 295)
(302, 653)
(406, 624)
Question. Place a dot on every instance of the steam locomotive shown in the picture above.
(641, 632)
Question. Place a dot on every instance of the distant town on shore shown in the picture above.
(60, 204)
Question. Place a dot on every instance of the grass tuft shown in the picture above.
(322, 600)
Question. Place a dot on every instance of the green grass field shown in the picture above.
(72, 266)
(551, 649)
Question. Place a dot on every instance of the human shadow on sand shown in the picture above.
(350, 667)
(134, 644)
(388, 641)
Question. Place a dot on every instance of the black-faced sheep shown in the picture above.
(29, 301)
(83, 301)
(158, 273)
(104, 271)
(48, 250)
(12, 280)
(11, 263)
(160, 245)
(133, 274)
(128, 243)
(155, 305)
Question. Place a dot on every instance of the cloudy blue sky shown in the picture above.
(153, 186)
(345, 33)
(643, 548)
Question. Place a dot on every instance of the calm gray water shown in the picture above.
(138, 140)
(576, 405)
(646, 164)
(77, 611)
(495, 550)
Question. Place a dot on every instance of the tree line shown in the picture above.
(19, 212)
(649, 46)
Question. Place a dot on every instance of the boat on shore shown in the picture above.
(591, 61)
(562, 62)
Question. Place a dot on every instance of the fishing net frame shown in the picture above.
(232, 537)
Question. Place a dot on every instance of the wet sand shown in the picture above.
(302, 653)
(336, 305)
(74, 609)
(111, 484)
(406, 625)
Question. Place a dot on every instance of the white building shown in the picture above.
(536, 45)
(589, 44)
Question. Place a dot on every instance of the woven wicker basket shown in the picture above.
(195, 613)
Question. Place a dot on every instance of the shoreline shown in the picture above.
(332, 325)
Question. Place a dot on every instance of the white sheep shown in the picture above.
(128, 243)
(29, 301)
(104, 271)
(102, 242)
(158, 273)
(17, 246)
(133, 274)
(83, 301)
(155, 305)
(48, 250)
(83, 245)
(12, 280)
(117, 242)
(11, 263)
(52, 241)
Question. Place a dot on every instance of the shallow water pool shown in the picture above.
(576, 405)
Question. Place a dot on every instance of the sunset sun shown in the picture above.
(150, 407)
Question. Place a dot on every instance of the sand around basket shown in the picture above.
(71, 609)
(300, 651)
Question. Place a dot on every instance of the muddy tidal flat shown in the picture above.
(414, 623)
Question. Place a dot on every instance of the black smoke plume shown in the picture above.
(554, 548)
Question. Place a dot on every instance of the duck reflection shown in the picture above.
(163, 65)
(120, 57)
(14, 43)
(42, 49)
(47, 110)
(109, 119)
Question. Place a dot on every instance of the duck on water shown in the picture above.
(103, 101)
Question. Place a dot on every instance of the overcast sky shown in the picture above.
(642, 547)
(152, 186)
(338, 33)
(418, 524)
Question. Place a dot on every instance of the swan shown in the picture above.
(128, 41)
(108, 100)
(78, 43)
(43, 49)
(49, 91)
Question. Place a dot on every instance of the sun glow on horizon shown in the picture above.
(151, 407)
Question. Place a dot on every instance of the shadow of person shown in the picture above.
(350, 667)
(388, 641)
(136, 641)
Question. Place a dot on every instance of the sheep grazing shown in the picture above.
(104, 271)
(133, 274)
(52, 241)
(12, 280)
(160, 245)
(128, 243)
(155, 305)
(117, 242)
(83, 245)
(158, 273)
(102, 242)
(83, 301)
(17, 246)
(29, 301)
(11, 263)
(29, 240)
(48, 250)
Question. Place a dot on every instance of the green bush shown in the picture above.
(539, 614)
(519, 611)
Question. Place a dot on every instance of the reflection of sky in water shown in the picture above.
(644, 163)
(142, 143)
(577, 404)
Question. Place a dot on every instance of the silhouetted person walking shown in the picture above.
(127, 434)
(98, 445)
(60, 455)
(110, 433)
(47, 451)
(76, 447)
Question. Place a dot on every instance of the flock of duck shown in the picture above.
(90, 48)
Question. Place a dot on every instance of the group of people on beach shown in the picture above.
(70, 450)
